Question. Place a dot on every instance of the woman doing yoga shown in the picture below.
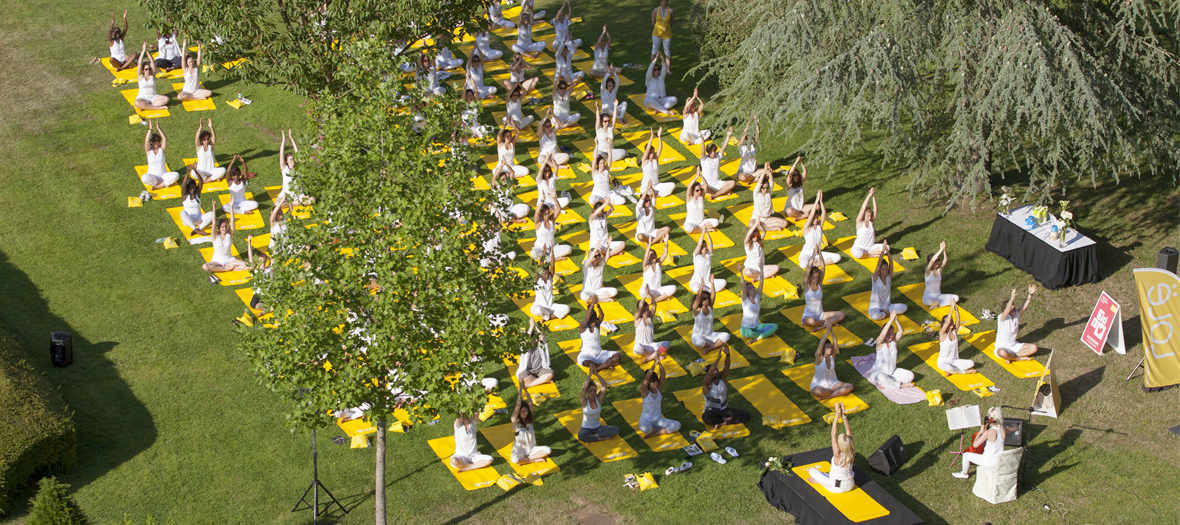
(839, 477)
(948, 345)
(824, 384)
(192, 89)
(205, 141)
(651, 419)
(157, 176)
(147, 98)
(115, 38)
(524, 447)
(814, 316)
(593, 430)
(933, 296)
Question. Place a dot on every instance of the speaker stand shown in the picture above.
(315, 487)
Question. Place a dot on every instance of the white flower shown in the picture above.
(1067, 215)
(1004, 201)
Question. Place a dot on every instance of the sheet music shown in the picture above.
(963, 417)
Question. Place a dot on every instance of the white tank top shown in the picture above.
(117, 51)
(465, 445)
(813, 302)
(702, 323)
(718, 396)
(702, 266)
(222, 246)
(156, 163)
(692, 123)
(749, 162)
(205, 160)
(515, 77)
(842, 473)
(653, 277)
(795, 199)
(507, 153)
(886, 361)
(192, 80)
(811, 237)
(753, 255)
(655, 84)
(644, 332)
(948, 350)
(882, 293)
(514, 109)
(524, 35)
(561, 28)
(652, 404)
(590, 416)
(147, 88)
(825, 373)
(603, 140)
(561, 104)
(237, 193)
(751, 311)
(544, 187)
(645, 220)
(866, 235)
(548, 144)
(592, 278)
(590, 340)
(483, 41)
(711, 170)
(599, 235)
(278, 232)
(288, 179)
(608, 97)
(192, 206)
(600, 59)
(545, 235)
(933, 284)
(763, 205)
(544, 289)
(526, 440)
(695, 210)
(651, 174)
(993, 448)
(1006, 331)
(475, 78)
(601, 182)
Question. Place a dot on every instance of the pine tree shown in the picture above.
(954, 92)
(54, 506)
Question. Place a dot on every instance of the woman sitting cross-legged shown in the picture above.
(525, 449)
(814, 316)
(467, 456)
(703, 336)
(866, 244)
(881, 296)
(592, 355)
(1007, 324)
(533, 368)
(223, 243)
(192, 89)
(157, 176)
(591, 402)
(752, 327)
(651, 419)
(839, 477)
(824, 384)
(645, 345)
(948, 345)
(238, 203)
(885, 372)
(543, 304)
(592, 269)
(717, 411)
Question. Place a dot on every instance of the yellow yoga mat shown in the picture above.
(129, 95)
(583, 189)
(482, 478)
(801, 375)
(126, 74)
(171, 192)
(247, 295)
(744, 212)
(504, 32)
(637, 100)
(480, 183)
(625, 343)
(774, 287)
(843, 336)
(768, 400)
(929, 353)
(581, 239)
(586, 146)
(502, 438)
(185, 230)
(860, 302)
(614, 311)
(526, 181)
(694, 401)
(639, 140)
(548, 389)
(799, 224)
(585, 65)
(662, 203)
(695, 149)
(767, 348)
(630, 409)
(300, 212)
(612, 449)
(844, 244)
(720, 240)
(227, 278)
(554, 325)
(563, 172)
(614, 377)
(736, 359)
(914, 293)
(832, 273)
(986, 343)
(194, 105)
(634, 281)
(542, 59)
(575, 129)
(683, 275)
(856, 504)
(251, 220)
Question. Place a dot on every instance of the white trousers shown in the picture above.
(559, 250)
(663, 105)
(900, 376)
(701, 341)
(521, 123)
(214, 174)
(956, 366)
(978, 459)
(859, 252)
(695, 285)
(663, 189)
(485, 91)
(441, 63)
(572, 45)
(944, 299)
(529, 49)
(602, 293)
(519, 211)
(692, 227)
(490, 54)
(617, 200)
(166, 179)
(695, 138)
(191, 221)
(830, 484)
(241, 207)
(560, 158)
(667, 289)
(878, 314)
(569, 119)
(557, 312)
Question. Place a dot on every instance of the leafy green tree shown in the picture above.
(53, 505)
(955, 91)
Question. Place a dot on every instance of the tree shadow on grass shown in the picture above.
(921, 459)
(1036, 456)
(1078, 386)
(1051, 326)
(112, 425)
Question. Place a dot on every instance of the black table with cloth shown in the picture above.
(793, 495)
(1031, 250)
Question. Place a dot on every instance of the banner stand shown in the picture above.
(1105, 326)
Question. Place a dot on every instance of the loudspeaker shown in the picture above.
(61, 348)
(890, 456)
(1167, 259)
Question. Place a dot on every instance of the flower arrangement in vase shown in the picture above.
(1006, 199)
(1066, 221)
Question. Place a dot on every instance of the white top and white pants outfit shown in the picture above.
(561, 109)
(691, 132)
(653, 282)
(549, 150)
(562, 30)
(516, 117)
(222, 249)
(524, 41)
(207, 166)
(837, 480)
(1006, 334)
(446, 60)
(483, 42)
(147, 89)
(651, 418)
(749, 158)
(604, 142)
(592, 348)
(496, 15)
(475, 83)
(545, 239)
(610, 100)
(192, 81)
(794, 200)
(948, 357)
(694, 218)
(466, 446)
(702, 267)
(525, 443)
(600, 235)
(812, 237)
(543, 302)
(991, 451)
(157, 171)
(506, 158)
(238, 203)
(657, 97)
(885, 372)
(933, 292)
(879, 299)
(644, 339)
(651, 177)
(702, 330)
(601, 191)
(866, 236)
(191, 215)
(592, 283)
(825, 373)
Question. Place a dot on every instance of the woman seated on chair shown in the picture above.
(824, 384)
(157, 176)
(192, 89)
(205, 141)
(223, 259)
(592, 355)
(1007, 324)
(885, 372)
(881, 303)
(645, 345)
(814, 316)
(115, 38)
(948, 345)
(591, 402)
(991, 437)
(839, 477)
(147, 98)
(525, 449)
(651, 419)
(467, 456)
(533, 368)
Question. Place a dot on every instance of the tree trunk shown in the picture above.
(380, 484)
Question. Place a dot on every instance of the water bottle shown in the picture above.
(239, 95)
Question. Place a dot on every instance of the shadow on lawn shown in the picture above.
(922, 459)
(110, 431)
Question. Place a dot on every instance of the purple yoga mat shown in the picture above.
(905, 396)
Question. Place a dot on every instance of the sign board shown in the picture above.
(1105, 326)
(1047, 400)
(1159, 312)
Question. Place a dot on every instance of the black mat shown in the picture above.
(794, 496)
(1048, 265)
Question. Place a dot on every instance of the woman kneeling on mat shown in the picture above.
(838, 479)
(592, 355)
(591, 400)
(885, 372)
(467, 456)
(991, 436)
(1007, 324)
(880, 305)
(717, 412)
(814, 316)
(525, 449)
(948, 345)
(651, 420)
(824, 384)
(223, 259)
(147, 98)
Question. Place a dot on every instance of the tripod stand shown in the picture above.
(315, 487)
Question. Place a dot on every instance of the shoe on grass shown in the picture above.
(717, 457)
(960, 475)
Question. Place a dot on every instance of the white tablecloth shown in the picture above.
(1073, 240)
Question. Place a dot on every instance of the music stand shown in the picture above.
(961, 419)
(315, 487)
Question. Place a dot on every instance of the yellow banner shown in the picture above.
(1159, 313)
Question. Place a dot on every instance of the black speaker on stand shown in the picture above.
(1167, 259)
(890, 456)
(61, 348)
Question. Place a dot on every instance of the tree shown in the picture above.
(388, 300)
(53, 505)
(955, 91)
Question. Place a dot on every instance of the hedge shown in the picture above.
(36, 431)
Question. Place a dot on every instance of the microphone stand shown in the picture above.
(315, 487)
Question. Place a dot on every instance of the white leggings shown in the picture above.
(521, 123)
(829, 258)
(667, 289)
(572, 45)
(956, 366)
(978, 459)
(663, 105)
(692, 227)
(701, 341)
(190, 221)
(214, 174)
(569, 119)
(560, 158)
(830, 484)
(617, 200)
(620, 110)
(695, 138)
(643, 350)
(878, 314)
(602, 293)
(166, 179)
(485, 91)
(519, 211)
(563, 201)
(559, 250)
(695, 285)
(650, 426)
(900, 376)
(518, 171)
(617, 153)
(529, 49)
(242, 207)
(609, 246)
(663, 189)
(655, 45)
(944, 299)
(859, 252)
(490, 54)
(441, 63)
(557, 312)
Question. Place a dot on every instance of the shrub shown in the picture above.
(53, 506)
(36, 431)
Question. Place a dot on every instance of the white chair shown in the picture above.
(998, 484)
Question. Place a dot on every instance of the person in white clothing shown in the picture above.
(645, 221)
(564, 68)
(545, 222)
(147, 98)
(932, 296)
(533, 367)
(600, 190)
(548, 138)
(496, 16)
(598, 69)
(115, 39)
(526, 8)
(653, 275)
(609, 94)
(192, 89)
(592, 356)
(796, 207)
(748, 152)
(645, 345)
(694, 204)
(561, 26)
(763, 205)
(290, 189)
(592, 270)
(223, 259)
(703, 336)
(600, 237)
(752, 327)
(813, 233)
(824, 384)
(516, 76)
(467, 456)
(1007, 324)
(814, 316)
(691, 132)
(651, 166)
(483, 43)
(524, 38)
(948, 345)
(651, 419)
(278, 224)
(865, 244)
(702, 264)
(524, 448)
(515, 117)
(711, 168)
(445, 59)
(429, 77)
(547, 187)
(755, 265)
(991, 436)
(157, 176)
(169, 51)
(885, 372)
(561, 104)
(205, 141)
(474, 80)
(657, 98)
(604, 136)
(881, 296)
(839, 478)
(543, 305)
(506, 152)
(238, 203)
(590, 400)
(190, 201)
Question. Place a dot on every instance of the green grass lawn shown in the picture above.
(172, 424)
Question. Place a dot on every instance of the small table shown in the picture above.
(1047, 261)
